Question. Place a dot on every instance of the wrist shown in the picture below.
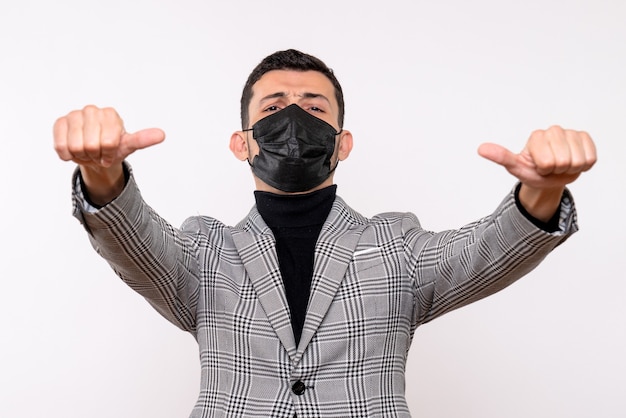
(541, 203)
(103, 184)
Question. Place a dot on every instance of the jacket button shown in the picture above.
(298, 388)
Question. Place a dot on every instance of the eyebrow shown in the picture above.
(305, 95)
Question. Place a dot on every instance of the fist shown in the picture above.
(95, 137)
(551, 158)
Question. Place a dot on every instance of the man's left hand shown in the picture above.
(551, 159)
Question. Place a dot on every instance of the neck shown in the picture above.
(293, 210)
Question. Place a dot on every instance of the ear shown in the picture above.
(239, 145)
(345, 145)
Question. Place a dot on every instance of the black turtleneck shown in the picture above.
(296, 221)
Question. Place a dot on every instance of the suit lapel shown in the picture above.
(333, 252)
(257, 247)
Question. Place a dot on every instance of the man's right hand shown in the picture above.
(95, 139)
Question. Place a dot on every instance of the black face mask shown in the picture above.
(295, 149)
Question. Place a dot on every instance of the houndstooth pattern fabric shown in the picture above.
(375, 281)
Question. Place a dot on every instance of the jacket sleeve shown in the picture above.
(457, 267)
(153, 258)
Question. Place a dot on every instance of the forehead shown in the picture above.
(292, 82)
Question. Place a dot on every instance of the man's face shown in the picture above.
(277, 89)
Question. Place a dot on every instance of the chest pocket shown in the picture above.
(376, 283)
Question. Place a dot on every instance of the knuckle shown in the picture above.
(75, 146)
(555, 129)
(91, 147)
(75, 117)
(108, 142)
(544, 166)
(59, 129)
(577, 166)
(109, 111)
(60, 149)
(59, 123)
(562, 162)
(90, 109)
(109, 114)
(537, 133)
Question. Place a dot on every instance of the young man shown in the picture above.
(306, 307)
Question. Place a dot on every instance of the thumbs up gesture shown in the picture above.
(96, 140)
(550, 160)
(96, 137)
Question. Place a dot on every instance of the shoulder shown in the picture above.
(403, 221)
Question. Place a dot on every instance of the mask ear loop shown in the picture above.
(334, 168)
(337, 161)
(248, 145)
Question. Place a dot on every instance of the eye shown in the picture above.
(272, 108)
(316, 109)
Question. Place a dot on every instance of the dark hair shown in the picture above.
(290, 59)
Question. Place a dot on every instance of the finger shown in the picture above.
(576, 151)
(75, 143)
(142, 139)
(591, 155)
(112, 131)
(92, 129)
(563, 145)
(59, 130)
(518, 165)
(540, 152)
(498, 154)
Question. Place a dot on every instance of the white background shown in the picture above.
(425, 82)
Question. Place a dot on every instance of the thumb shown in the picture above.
(498, 154)
(142, 139)
(130, 143)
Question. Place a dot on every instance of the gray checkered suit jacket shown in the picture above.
(375, 280)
